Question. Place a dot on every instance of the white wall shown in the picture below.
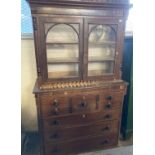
(28, 77)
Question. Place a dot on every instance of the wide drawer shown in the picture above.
(101, 128)
(81, 145)
(76, 120)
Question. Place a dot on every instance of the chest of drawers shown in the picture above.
(78, 120)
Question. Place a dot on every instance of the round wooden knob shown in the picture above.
(109, 97)
(108, 106)
(55, 103)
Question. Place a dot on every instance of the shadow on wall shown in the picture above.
(28, 77)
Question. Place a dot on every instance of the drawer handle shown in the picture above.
(108, 116)
(106, 141)
(109, 97)
(55, 151)
(55, 136)
(108, 106)
(55, 122)
(83, 104)
(55, 103)
(107, 128)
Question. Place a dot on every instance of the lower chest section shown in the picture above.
(79, 121)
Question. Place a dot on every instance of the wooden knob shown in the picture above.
(55, 103)
(106, 141)
(55, 122)
(107, 128)
(55, 136)
(109, 97)
(108, 116)
(55, 151)
(108, 106)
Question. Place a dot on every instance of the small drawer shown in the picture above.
(111, 101)
(54, 101)
(101, 128)
(81, 145)
(80, 119)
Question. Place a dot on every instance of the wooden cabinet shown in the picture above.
(79, 91)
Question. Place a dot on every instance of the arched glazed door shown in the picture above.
(101, 46)
(62, 43)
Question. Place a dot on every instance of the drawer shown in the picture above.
(69, 105)
(111, 100)
(76, 120)
(81, 145)
(101, 128)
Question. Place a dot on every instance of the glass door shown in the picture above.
(63, 48)
(100, 47)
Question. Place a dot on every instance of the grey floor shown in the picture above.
(123, 150)
(31, 145)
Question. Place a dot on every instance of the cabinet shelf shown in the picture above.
(60, 61)
(103, 43)
(99, 72)
(64, 74)
(96, 59)
(61, 43)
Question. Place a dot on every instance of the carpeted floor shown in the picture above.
(30, 146)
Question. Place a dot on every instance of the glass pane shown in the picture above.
(62, 48)
(102, 42)
(65, 33)
(101, 49)
(101, 33)
(62, 52)
(62, 70)
(100, 68)
(101, 52)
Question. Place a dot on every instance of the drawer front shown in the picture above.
(70, 105)
(81, 145)
(111, 100)
(58, 135)
(76, 120)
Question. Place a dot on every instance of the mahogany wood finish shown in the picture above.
(79, 110)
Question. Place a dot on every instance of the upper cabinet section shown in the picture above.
(78, 39)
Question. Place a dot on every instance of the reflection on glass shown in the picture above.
(98, 69)
(101, 33)
(62, 70)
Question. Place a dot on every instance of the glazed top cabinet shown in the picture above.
(78, 39)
